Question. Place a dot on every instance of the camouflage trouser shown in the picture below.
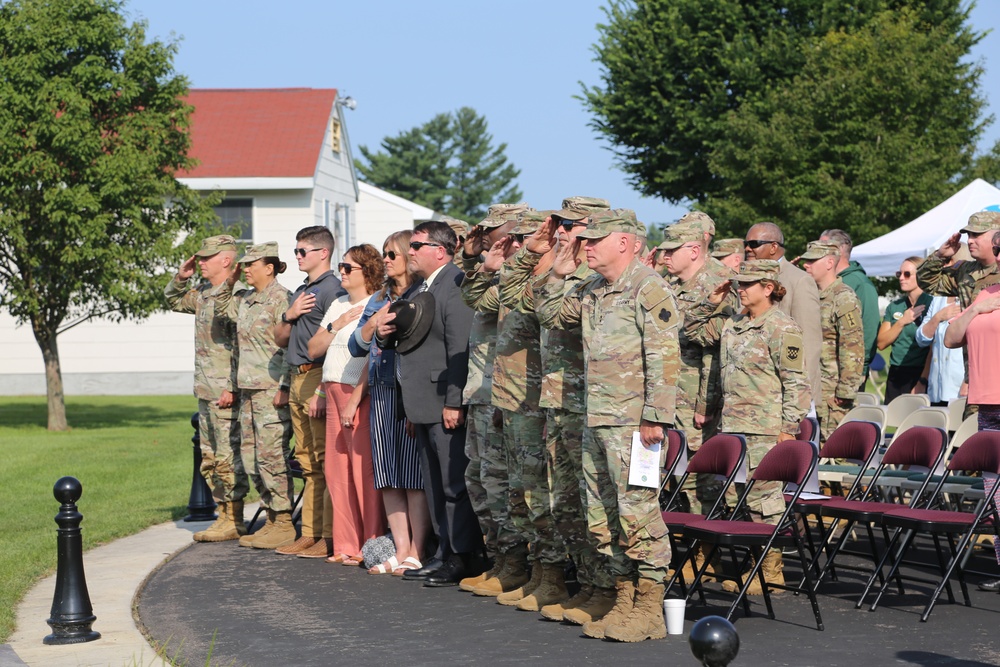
(830, 416)
(701, 489)
(625, 521)
(479, 431)
(766, 502)
(494, 475)
(529, 498)
(265, 432)
(564, 449)
(222, 468)
(310, 452)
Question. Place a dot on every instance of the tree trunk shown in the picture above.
(53, 377)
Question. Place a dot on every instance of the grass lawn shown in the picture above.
(131, 453)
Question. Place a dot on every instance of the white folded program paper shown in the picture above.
(644, 467)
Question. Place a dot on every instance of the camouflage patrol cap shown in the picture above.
(500, 214)
(753, 270)
(678, 234)
(460, 227)
(213, 245)
(700, 221)
(259, 251)
(820, 249)
(578, 208)
(983, 221)
(531, 221)
(727, 247)
(603, 223)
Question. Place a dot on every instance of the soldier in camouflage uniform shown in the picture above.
(842, 359)
(263, 378)
(729, 252)
(629, 323)
(486, 475)
(765, 390)
(564, 401)
(214, 383)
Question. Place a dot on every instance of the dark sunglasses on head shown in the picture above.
(301, 252)
(347, 268)
(904, 274)
(756, 243)
(391, 254)
(417, 245)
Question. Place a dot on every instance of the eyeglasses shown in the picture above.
(417, 245)
(756, 243)
(904, 274)
(519, 238)
(391, 254)
(302, 252)
(568, 225)
(743, 284)
(996, 250)
(347, 268)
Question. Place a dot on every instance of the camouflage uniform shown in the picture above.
(262, 372)
(698, 386)
(564, 400)
(765, 391)
(964, 279)
(842, 360)
(629, 331)
(214, 372)
(517, 380)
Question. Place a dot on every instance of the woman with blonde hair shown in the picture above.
(899, 329)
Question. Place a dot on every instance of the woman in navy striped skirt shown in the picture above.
(394, 453)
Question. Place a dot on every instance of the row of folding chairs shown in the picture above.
(891, 416)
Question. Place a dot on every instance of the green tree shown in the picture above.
(448, 164)
(92, 131)
(674, 70)
(867, 137)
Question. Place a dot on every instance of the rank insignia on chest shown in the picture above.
(792, 353)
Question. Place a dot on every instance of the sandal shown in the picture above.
(353, 561)
(385, 568)
(338, 559)
(409, 563)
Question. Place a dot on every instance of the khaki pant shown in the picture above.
(310, 452)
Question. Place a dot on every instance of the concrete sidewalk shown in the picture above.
(115, 573)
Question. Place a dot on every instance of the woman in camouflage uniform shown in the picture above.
(765, 391)
(262, 378)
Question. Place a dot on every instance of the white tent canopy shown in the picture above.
(921, 237)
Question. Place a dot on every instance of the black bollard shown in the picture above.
(72, 613)
(201, 506)
(714, 641)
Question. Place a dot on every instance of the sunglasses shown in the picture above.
(568, 225)
(519, 238)
(417, 245)
(996, 250)
(347, 268)
(904, 274)
(391, 254)
(302, 252)
(743, 284)
(756, 243)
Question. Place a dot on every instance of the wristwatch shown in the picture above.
(284, 318)
(329, 328)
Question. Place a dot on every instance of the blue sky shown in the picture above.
(519, 63)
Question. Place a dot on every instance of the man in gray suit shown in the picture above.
(432, 377)
(765, 241)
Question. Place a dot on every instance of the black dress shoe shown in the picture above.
(432, 566)
(992, 586)
(448, 574)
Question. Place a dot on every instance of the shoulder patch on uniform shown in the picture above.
(792, 354)
(652, 293)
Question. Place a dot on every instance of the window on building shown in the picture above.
(335, 137)
(236, 215)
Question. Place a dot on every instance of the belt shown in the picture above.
(303, 368)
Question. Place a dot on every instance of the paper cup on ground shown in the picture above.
(673, 609)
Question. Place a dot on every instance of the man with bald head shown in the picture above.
(214, 382)
(766, 241)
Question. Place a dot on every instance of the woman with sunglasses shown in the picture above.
(396, 461)
(765, 390)
(357, 509)
(899, 329)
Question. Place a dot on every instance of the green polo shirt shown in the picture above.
(905, 351)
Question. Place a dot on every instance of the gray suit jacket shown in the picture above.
(802, 304)
(433, 374)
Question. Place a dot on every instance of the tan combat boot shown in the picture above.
(699, 560)
(511, 598)
(470, 583)
(554, 612)
(512, 575)
(551, 589)
(236, 514)
(282, 532)
(624, 599)
(215, 527)
(247, 540)
(645, 621)
(772, 567)
(600, 603)
(228, 530)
